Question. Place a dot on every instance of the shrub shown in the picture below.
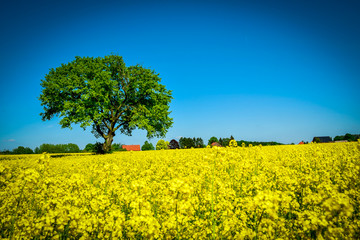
(99, 148)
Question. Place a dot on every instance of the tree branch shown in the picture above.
(121, 124)
(106, 124)
(98, 129)
(123, 87)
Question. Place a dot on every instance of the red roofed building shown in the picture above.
(301, 142)
(131, 147)
(216, 144)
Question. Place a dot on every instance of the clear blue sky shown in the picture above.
(258, 70)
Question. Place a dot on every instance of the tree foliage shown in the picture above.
(162, 144)
(58, 148)
(37, 150)
(89, 147)
(147, 146)
(348, 137)
(185, 142)
(199, 143)
(224, 141)
(174, 144)
(22, 150)
(117, 147)
(108, 96)
(99, 148)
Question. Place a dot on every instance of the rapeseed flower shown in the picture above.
(283, 192)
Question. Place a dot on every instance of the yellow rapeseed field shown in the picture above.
(277, 192)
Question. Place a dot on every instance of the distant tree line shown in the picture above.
(225, 142)
(19, 150)
(348, 137)
(188, 142)
(99, 148)
(63, 148)
(185, 142)
(46, 147)
(57, 148)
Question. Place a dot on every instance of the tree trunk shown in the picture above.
(108, 142)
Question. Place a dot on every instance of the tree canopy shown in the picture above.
(22, 150)
(104, 93)
(147, 146)
(58, 148)
(186, 142)
(162, 144)
(174, 144)
(347, 137)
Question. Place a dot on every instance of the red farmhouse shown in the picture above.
(131, 147)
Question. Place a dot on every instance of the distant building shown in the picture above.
(301, 142)
(131, 147)
(326, 139)
(216, 144)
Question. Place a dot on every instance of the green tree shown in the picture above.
(174, 144)
(6, 152)
(185, 142)
(339, 138)
(349, 137)
(199, 143)
(71, 148)
(162, 144)
(37, 150)
(89, 147)
(212, 140)
(117, 147)
(107, 95)
(58, 148)
(147, 146)
(48, 148)
(98, 148)
(225, 142)
(22, 150)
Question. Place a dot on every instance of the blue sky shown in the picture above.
(281, 71)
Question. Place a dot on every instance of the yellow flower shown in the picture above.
(265, 192)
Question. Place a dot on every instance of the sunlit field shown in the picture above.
(276, 192)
